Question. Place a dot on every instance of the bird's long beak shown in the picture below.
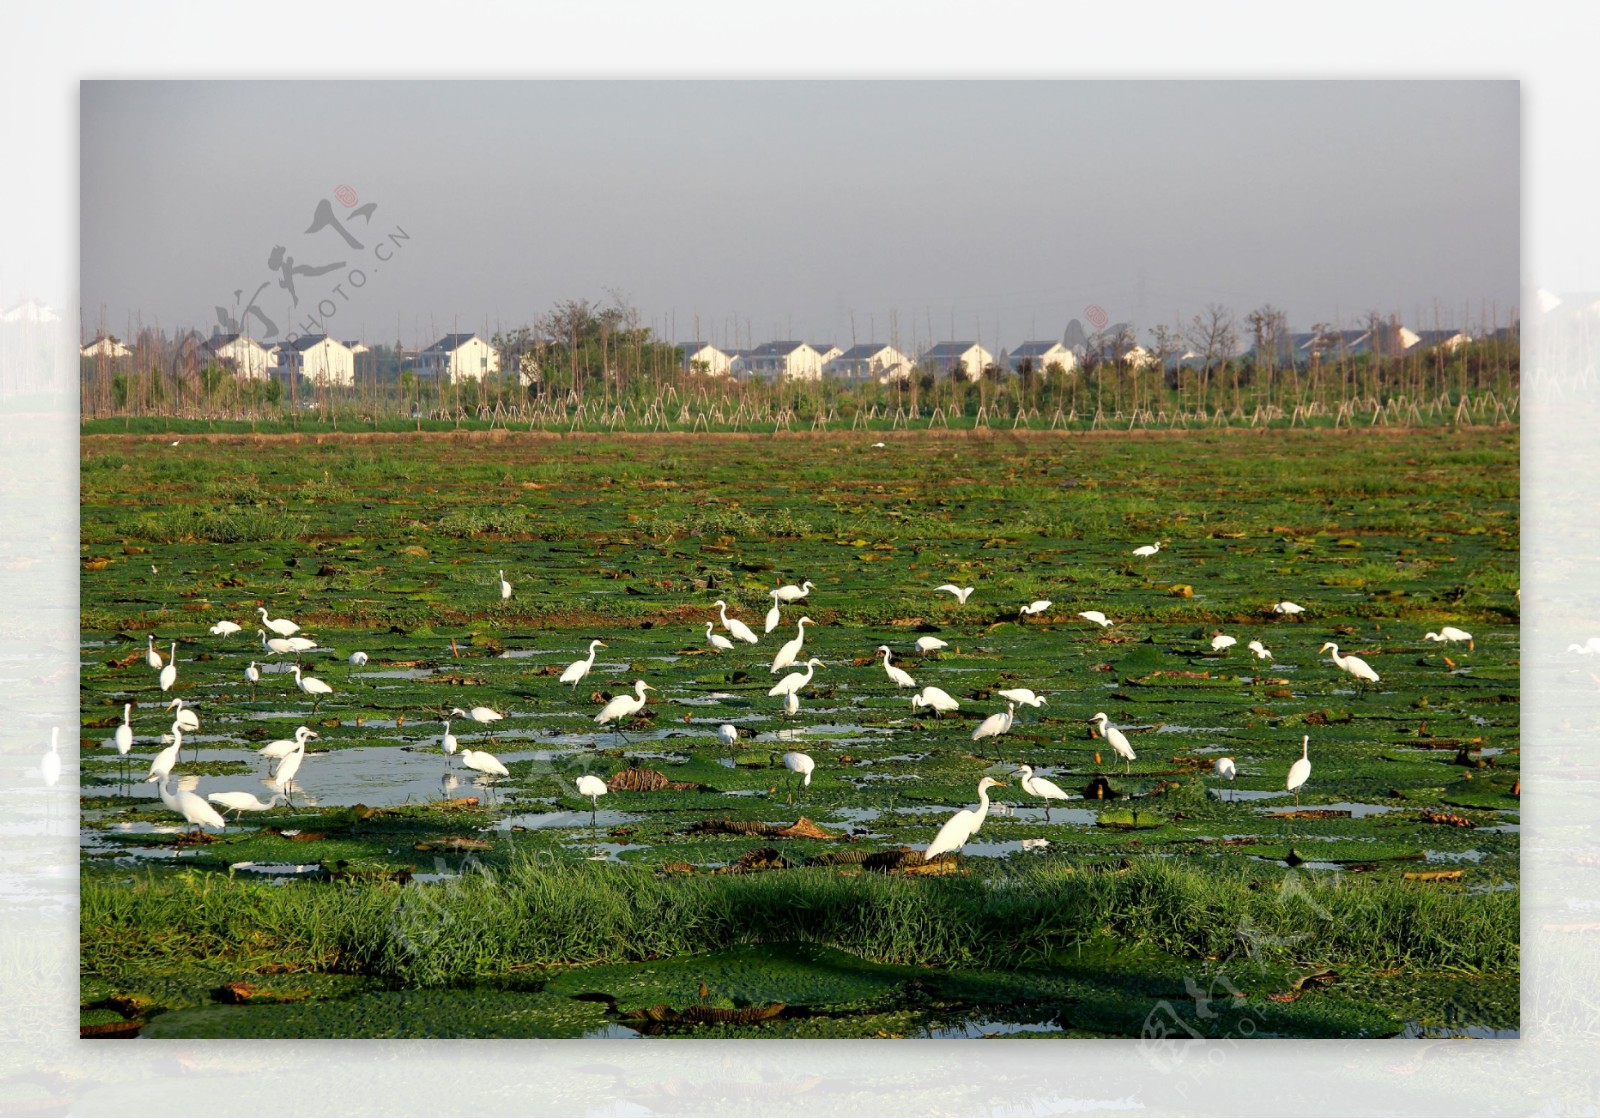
(603, 645)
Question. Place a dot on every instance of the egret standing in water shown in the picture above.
(790, 652)
(1261, 651)
(252, 676)
(624, 706)
(734, 625)
(1118, 740)
(169, 674)
(717, 640)
(162, 763)
(1300, 771)
(124, 737)
(1022, 697)
(1148, 549)
(187, 803)
(1037, 606)
(996, 724)
(592, 787)
(801, 766)
(225, 628)
(239, 802)
(936, 698)
(578, 669)
(449, 744)
(792, 593)
(505, 588)
(50, 765)
(1222, 641)
(283, 627)
(1354, 665)
(1226, 768)
(283, 780)
(930, 644)
(792, 683)
(1451, 633)
(283, 747)
(961, 593)
(1040, 787)
(899, 676)
(1096, 617)
(1287, 607)
(313, 687)
(151, 657)
(488, 716)
(964, 824)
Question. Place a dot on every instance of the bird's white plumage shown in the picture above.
(1118, 740)
(792, 593)
(274, 644)
(1222, 641)
(162, 763)
(1037, 606)
(1354, 665)
(1300, 771)
(448, 742)
(1287, 607)
(283, 747)
(1226, 768)
(578, 669)
(1041, 787)
(717, 640)
(996, 724)
(961, 593)
(50, 764)
(592, 787)
(188, 803)
(281, 626)
(963, 825)
(1260, 650)
(774, 616)
(151, 657)
(930, 644)
(796, 762)
(484, 715)
(790, 652)
(1148, 549)
(728, 734)
(310, 684)
(792, 683)
(169, 674)
(290, 766)
(225, 628)
(505, 587)
(484, 762)
(900, 677)
(185, 718)
(252, 673)
(124, 735)
(359, 659)
(1449, 633)
(624, 706)
(1022, 697)
(734, 625)
(1095, 616)
(936, 698)
(243, 802)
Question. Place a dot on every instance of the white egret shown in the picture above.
(1222, 641)
(162, 763)
(185, 718)
(1096, 617)
(287, 768)
(1022, 697)
(275, 644)
(187, 803)
(50, 764)
(240, 802)
(717, 640)
(995, 724)
(283, 747)
(578, 669)
(505, 587)
(1226, 768)
(936, 698)
(123, 739)
(151, 657)
(312, 687)
(792, 683)
(359, 659)
(1451, 633)
(800, 765)
(961, 593)
(1300, 771)
(169, 674)
(791, 703)
(1118, 740)
(225, 628)
(1260, 650)
(1588, 648)
(283, 627)
(485, 715)
(252, 676)
(624, 706)
(964, 824)
(1148, 549)
(774, 616)
(1040, 787)
(1354, 665)
(930, 644)
(792, 593)
(729, 734)
(592, 787)
(734, 625)
(900, 677)
(1037, 606)
(484, 762)
(300, 644)
(790, 652)
(448, 743)
(1287, 607)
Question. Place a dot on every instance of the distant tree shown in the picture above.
(1214, 335)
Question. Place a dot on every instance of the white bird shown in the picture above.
(1222, 641)
(283, 627)
(964, 824)
(162, 763)
(930, 644)
(151, 657)
(1095, 616)
(799, 764)
(1037, 606)
(791, 648)
(1118, 740)
(1287, 607)
(936, 698)
(578, 669)
(240, 802)
(792, 593)
(185, 718)
(1022, 697)
(288, 768)
(225, 628)
(734, 625)
(1588, 648)
(717, 640)
(252, 676)
(1260, 650)
(50, 764)
(875, 446)
(792, 683)
(275, 644)
(1148, 549)
(123, 739)
(729, 734)
(592, 787)
(791, 703)
(484, 762)
(1040, 787)
(485, 715)
(283, 747)
(900, 677)
(448, 743)
(505, 587)
(1300, 771)
(624, 706)
(961, 593)
(358, 658)
(169, 674)
(300, 644)
(774, 616)
(997, 723)
(1226, 768)
(312, 687)
(1451, 633)
(1354, 665)
(187, 803)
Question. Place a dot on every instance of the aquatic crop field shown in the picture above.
(708, 892)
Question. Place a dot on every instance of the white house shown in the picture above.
(1139, 358)
(319, 358)
(1040, 356)
(787, 361)
(871, 360)
(1446, 340)
(105, 346)
(703, 357)
(247, 357)
(827, 351)
(967, 358)
(358, 347)
(457, 356)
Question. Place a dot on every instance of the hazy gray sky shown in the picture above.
(777, 210)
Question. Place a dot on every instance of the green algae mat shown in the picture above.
(709, 892)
